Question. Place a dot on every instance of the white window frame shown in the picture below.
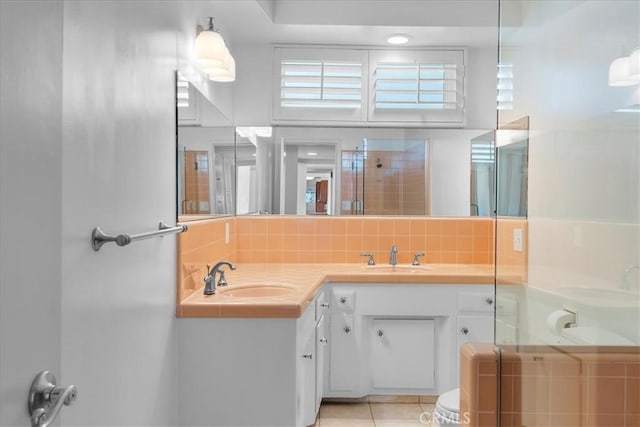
(285, 114)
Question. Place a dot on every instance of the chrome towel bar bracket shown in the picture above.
(98, 238)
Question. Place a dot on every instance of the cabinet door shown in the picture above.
(475, 329)
(309, 380)
(343, 354)
(403, 353)
(321, 348)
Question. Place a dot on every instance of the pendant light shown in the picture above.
(619, 72)
(625, 70)
(213, 56)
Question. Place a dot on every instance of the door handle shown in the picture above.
(46, 399)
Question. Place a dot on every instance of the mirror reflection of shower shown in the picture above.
(386, 177)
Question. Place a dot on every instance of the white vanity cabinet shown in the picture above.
(475, 320)
(402, 339)
(312, 338)
(251, 372)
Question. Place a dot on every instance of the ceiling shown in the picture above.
(471, 23)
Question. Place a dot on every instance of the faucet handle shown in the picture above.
(222, 281)
(371, 261)
(415, 258)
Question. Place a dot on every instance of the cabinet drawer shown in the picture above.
(476, 302)
(343, 300)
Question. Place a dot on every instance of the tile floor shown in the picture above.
(368, 414)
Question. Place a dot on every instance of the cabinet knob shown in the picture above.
(343, 300)
(308, 356)
(380, 333)
(323, 340)
(324, 305)
(489, 301)
(464, 331)
(347, 329)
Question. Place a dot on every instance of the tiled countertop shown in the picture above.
(306, 279)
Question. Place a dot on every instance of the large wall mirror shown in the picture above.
(287, 170)
(354, 171)
(205, 156)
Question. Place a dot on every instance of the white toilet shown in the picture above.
(447, 410)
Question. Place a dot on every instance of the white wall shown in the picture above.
(253, 91)
(30, 197)
(584, 157)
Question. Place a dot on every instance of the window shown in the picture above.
(416, 86)
(319, 84)
(316, 84)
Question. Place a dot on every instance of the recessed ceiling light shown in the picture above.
(312, 154)
(397, 39)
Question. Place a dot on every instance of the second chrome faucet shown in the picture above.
(210, 278)
(393, 257)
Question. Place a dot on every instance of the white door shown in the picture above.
(88, 139)
(30, 259)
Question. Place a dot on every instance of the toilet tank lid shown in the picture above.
(450, 400)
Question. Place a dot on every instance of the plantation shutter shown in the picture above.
(505, 86)
(319, 84)
(413, 86)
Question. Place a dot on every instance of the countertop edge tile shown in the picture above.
(309, 278)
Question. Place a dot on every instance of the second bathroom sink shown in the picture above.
(400, 268)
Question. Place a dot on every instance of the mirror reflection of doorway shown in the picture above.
(319, 192)
(195, 183)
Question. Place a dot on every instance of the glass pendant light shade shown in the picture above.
(619, 72)
(210, 48)
(226, 73)
(213, 56)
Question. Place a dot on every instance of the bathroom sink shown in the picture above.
(601, 296)
(400, 268)
(257, 290)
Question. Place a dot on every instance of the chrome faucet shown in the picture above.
(625, 275)
(210, 279)
(393, 258)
